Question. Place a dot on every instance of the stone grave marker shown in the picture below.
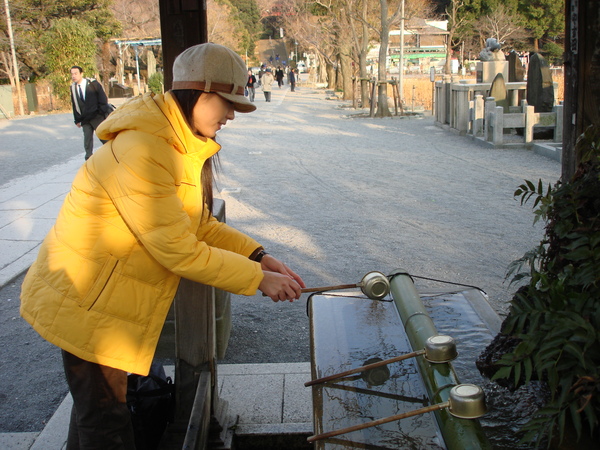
(540, 89)
(498, 91)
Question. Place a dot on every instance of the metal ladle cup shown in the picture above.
(374, 285)
(466, 401)
(438, 349)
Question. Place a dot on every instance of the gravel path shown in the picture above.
(334, 197)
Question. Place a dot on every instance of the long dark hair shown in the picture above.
(187, 99)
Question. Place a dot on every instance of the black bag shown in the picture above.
(104, 109)
(108, 109)
(151, 401)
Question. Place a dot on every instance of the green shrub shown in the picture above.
(156, 82)
(69, 42)
(556, 317)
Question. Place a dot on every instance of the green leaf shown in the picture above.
(530, 185)
(562, 416)
(517, 374)
(574, 350)
(503, 372)
(580, 254)
(527, 363)
(592, 419)
(575, 418)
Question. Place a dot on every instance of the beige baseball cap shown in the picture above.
(213, 68)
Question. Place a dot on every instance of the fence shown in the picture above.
(488, 121)
(460, 106)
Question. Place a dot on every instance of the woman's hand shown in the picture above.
(280, 282)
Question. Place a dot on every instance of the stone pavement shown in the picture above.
(336, 197)
(270, 399)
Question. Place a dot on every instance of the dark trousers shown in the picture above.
(88, 134)
(268, 96)
(100, 419)
(251, 93)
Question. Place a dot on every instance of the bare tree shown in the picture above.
(455, 21)
(501, 24)
(315, 32)
(364, 12)
(220, 28)
(361, 36)
(387, 20)
(6, 67)
(140, 18)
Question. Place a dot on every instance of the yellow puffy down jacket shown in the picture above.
(131, 226)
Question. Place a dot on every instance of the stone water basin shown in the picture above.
(349, 330)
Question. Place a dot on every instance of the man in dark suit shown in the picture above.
(90, 106)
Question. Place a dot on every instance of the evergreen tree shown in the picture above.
(544, 18)
(31, 19)
(68, 42)
(247, 22)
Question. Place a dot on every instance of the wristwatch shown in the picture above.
(260, 256)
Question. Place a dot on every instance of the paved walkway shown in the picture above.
(270, 399)
(340, 195)
(333, 196)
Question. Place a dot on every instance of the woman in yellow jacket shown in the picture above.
(136, 220)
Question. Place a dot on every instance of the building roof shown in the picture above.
(423, 27)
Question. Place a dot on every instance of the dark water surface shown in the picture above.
(350, 330)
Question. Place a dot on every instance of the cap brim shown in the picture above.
(240, 102)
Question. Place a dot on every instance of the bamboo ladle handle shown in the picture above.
(364, 368)
(374, 423)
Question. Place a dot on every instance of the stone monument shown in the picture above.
(498, 91)
(516, 71)
(540, 88)
(540, 91)
(492, 62)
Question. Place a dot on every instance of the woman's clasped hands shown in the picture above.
(280, 283)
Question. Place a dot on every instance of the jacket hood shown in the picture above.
(158, 115)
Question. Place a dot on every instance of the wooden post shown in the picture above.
(195, 340)
(182, 25)
(394, 94)
(200, 412)
(582, 77)
(373, 97)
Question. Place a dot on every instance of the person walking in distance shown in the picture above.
(279, 76)
(251, 86)
(90, 106)
(292, 80)
(266, 82)
(137, 219)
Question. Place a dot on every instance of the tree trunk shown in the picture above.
(447, 66)
(106, 66)
(364, 84)
(330, 75)
(339, 77)
(346, 71)
(382, 100)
